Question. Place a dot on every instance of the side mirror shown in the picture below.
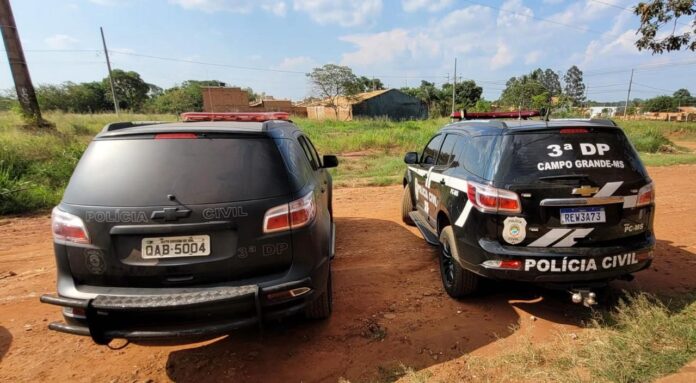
(329, 161)
(411, 158)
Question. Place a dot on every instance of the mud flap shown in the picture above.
(96, 322)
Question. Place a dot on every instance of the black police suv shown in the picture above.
(194, 228)
(565, 203)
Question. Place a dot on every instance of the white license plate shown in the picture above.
(170, 247)
(580, 215)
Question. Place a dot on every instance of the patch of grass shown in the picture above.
(370, 151)
(660, 159)
(642, 339)
(35, 165)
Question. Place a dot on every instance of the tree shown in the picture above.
(524, 92)
(365, 84)
(332, 81)
(549, 79)
(683, 97)
(574, 85)
(131, 90)
(466, 94)
(660, 104)
(656, 14)
(87, 97)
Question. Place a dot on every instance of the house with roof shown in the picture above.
(387, 103)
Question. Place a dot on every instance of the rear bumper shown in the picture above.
(564, 266)
(185, 314)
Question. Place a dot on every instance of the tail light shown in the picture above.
(646, 195)
(488, 199)
(68, 227)
(291, 215)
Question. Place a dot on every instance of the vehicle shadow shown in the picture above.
(5, 341)
(389, 311)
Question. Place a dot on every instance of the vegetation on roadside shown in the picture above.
(35, 166)
(640, 340)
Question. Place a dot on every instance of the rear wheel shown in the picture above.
(458, 282)
(322, 306)
(406, 207)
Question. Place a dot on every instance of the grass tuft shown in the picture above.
(642, 339)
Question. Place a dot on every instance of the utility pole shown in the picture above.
(454, 86)
(628, 96)
(18, 66)
(108, 65)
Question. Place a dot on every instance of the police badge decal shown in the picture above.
(514, 230)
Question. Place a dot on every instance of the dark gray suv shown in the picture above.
(193, 229)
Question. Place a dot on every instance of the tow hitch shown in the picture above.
(584, 296)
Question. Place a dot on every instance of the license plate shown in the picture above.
(580, 215)
(170, 247)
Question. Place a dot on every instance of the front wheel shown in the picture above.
(457, 281)
(322, 306)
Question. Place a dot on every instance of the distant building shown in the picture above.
(389, 103)
(225, 99)
(602, 111)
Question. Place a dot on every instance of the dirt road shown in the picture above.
(389, 306)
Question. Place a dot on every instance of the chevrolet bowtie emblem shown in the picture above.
(585, 191)
(170, 214)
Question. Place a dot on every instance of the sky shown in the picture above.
(270, 45)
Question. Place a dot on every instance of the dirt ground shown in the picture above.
(390, 308)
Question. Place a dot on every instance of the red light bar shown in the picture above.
(236, 116)
(524, 114)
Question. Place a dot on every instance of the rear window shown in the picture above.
(142, 172)
(603, 156)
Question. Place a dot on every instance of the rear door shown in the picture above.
(577, 186)
(435, 183)
(162, 210)
(421, 175)
(321, 176)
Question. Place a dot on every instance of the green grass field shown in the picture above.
(36, 165)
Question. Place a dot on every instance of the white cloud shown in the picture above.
(513, 14)
(276, 7)
(428, 5)
(386, 47)
(532, 57)
(503, 57)
(299, 63)
(346, 14)
(60, 41)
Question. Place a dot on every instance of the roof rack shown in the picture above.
(129, 124)
(520, 114)
(235, 116)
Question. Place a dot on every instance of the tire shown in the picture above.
(322, 306)
(457, 281)
(407, 207)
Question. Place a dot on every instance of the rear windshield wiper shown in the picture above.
(564, 177)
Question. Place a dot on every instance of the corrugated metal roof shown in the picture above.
(350, 100)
